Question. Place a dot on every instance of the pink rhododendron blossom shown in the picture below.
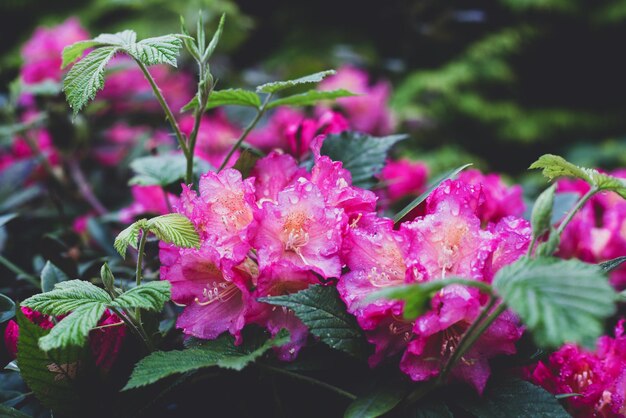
(500, 199)
(368, 112)
(598, 376)
(512, 237)
(216, 137)
(403, 178)
(274, 173)
(215, 298)
(121, 138)
(12, 331)
(42, 52)
(147, 199)
(300, 229)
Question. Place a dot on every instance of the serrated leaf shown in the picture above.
(122, 39)
(67, 297)
(50, 276)
(72, 52)
(158, 170)
(234, 97)
(610, 265)
(436, 183)
(86, 77)
(176, 229)
(221, 352)
(215, 39)
(157, 50)
(275, 86)
(513, 398)
(363, 155)
(7, 308)
(323, 312)
(310, 98)
(128, 236)
(554, 166)
(558, 300)
(151, 296)
(74, 328)
(378, 401)
(52, 375)
(541, 217)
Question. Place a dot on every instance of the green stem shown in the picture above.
(529, 253)
(168, 113)
(576, 208)
(139, 270)
(203, 98)
(139, 332)
(310, 380)
(20, 272)
(244, 134)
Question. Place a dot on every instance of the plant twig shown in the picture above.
(575, 209)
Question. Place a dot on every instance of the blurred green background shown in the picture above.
(494, 82)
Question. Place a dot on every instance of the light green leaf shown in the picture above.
(378, 401)
(275, 86)
(542, 211)
(151, 296)
(554, 166)
(128, 236)
(108, 280)
(513, 398)
(158, 50)
(74, 328)
(50, 276)
(436, 183)
(549, 247)
(215, 40)
(7, 308)
(67, 297)
(158, 170)
(221, 352)
(363, 155)
(235, 97)
(176, 229)
(72, 52)
(323, 312)
(310, 97)
(558, 300)
(86, 77)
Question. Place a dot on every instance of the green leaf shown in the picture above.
(323, 312)
(158, 170)
(310, 97)
(549, 247)
(554, 166)
(513, 398)
(435, 409)
(234, 97)
(108, 280)
(86, 77)
(50, 276)
(151, 296)
(383, 398)
(74, 328)
(215, 40)
(363, 155)
(275, 86)
(245, 163)
(558, 300)
(416, 202)
(72, 52)
(128, 236)
(221, 352)
(50, 375)
(66, 297)
(541, 217)
(611, 265)
(158, 50)
(7, 308)
(8, 412)
(176, 229)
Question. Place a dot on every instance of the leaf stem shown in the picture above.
(20, 272)
(203, 96)
(139, 332)
(576, 208)
(168, 113)
(139, 270)
(309, 379)
(244, 134)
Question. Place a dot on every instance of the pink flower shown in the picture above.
(121, 138)
(42, 52)
(512, 237)
(403, 178)
(300, 229)
(274, 173)
(216, 297)
(500, 200)
(147, 199)
(12, 331)
(216, 137)
(368, 112)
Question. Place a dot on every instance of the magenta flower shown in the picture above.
(216, 137)
(215, 296)
(147, 200)
(274, 173)
(403, 178)
(368, 112)
(300, 229)
(42, 52)
(512, 237)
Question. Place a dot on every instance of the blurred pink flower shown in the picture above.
(147, 199)
(402, 178)
(216, 137)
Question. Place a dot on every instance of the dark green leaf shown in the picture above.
(323, 312)
(245, 163)
(436, 409)
(416, 202)
(221, 352)
(50, 276)
(7, 308)
(383, 398)
(310, 97)
(74, 328)
(512, 398)
(159, 170)
(558, 300)
(275, 86)
(8, 412)
(611, 265)
(363, 155)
